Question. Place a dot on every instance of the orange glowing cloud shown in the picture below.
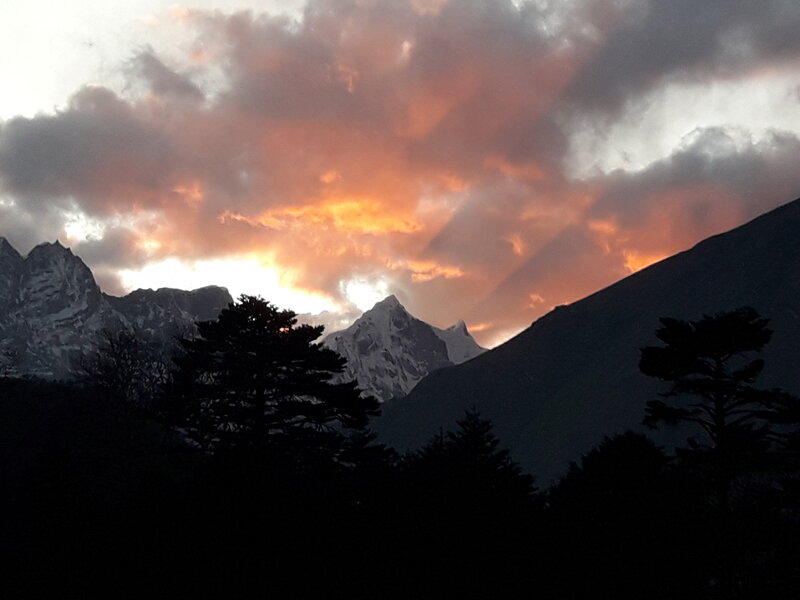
(428, 270)
(362, 215)
(191, 194)
(416, 146)
(529, 172)
(635, 261)
(517, 243)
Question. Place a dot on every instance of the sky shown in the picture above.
(484, 160)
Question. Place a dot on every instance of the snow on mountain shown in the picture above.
(388, 350)
(52, 310)
(461, 346)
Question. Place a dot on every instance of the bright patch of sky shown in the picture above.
(364, 293)
(80, 228)
(654, 127)
(51, 48)
(245, 275)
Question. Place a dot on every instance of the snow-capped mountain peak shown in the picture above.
(461, 327)
(388, 350)
(461, 346)
(388, 303)
(385, 314)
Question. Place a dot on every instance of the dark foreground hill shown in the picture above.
(554, 391)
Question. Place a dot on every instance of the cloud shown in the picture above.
(417, 147)
(162, 80)
(718, 179)
(98, 151)
(654, 41)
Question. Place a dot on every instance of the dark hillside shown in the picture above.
(555, 390)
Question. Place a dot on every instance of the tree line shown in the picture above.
(237, 468)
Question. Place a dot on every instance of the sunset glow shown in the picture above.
(635, 261)
(240, 275)
(364, 293)
(484, 160)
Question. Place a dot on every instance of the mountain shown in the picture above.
(51, 310)
(388, 350)
(555, 390)
(461, 346)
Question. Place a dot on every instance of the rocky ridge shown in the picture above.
(52, 310)
(388, 350)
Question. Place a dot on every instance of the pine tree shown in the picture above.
(466, 498)
(473, 451)
(711, 361)
(255, 380)
(712, 367)
(466, 473)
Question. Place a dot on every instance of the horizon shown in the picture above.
(507, 157)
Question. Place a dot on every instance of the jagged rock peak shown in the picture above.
(388, 350)
(389, 303)
(54, 258)
(6, 249)
(50, 249)
(52, 310)
(386, 314)
(461, 346)
(460, 327)
(168, 291)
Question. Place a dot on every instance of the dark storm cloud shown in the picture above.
(117, 249)
(162, 80)
(719, 169)
(686, 39)
(97, 151)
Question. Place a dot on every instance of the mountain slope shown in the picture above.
(555, 390)
(388, 350)
(51, 310)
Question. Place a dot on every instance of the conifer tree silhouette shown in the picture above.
(712, 367)
(255, 380)
(473, 452)
(465, 494)
(712, 362)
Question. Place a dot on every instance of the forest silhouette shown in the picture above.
(240, 469)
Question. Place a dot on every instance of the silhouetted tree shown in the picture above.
(469, 464)
(127, 366)
(465, 498)
(711, 361)
(626, 520)
(254, 380)
(473, 450)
